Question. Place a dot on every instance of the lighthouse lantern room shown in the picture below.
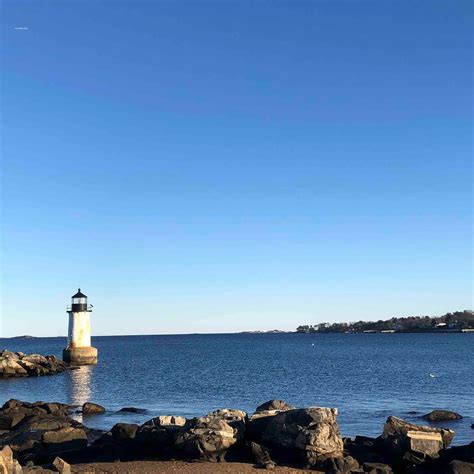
(79, 350)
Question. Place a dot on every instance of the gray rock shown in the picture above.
(206, 437)
(413, 444)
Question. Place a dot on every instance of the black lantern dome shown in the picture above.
(79, 302)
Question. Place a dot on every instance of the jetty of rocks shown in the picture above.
(18, 364)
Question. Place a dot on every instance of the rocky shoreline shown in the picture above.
(276, 434)
(18, 364)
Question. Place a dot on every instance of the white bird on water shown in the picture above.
(433, 376)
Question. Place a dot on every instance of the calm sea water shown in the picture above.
(367, 377)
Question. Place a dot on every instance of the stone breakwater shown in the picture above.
(18, 364)
(44, 434)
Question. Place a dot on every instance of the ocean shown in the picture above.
(366, 376)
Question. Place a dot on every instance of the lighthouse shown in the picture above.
(79, 350)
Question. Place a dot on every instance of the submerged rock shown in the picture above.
(92, 408)
(442, 415)
(132, 410)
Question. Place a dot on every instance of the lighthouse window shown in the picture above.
(79, 301)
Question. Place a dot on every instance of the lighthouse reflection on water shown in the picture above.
(80, 388)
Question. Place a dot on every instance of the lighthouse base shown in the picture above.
(80, 355)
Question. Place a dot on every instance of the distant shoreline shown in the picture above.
(258, 333)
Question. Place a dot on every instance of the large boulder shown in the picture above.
(64, 439)
(208, 437)
(442, 415)
(157, 436)
(412, 444)
(43, 422)
(305, 436)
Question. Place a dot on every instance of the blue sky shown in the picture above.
(213, 166)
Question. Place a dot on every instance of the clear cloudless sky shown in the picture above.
(217, 166)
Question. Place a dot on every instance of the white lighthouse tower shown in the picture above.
(79, 350)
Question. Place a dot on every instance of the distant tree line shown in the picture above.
(451, 322)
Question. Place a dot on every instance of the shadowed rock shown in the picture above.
(124, 431)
